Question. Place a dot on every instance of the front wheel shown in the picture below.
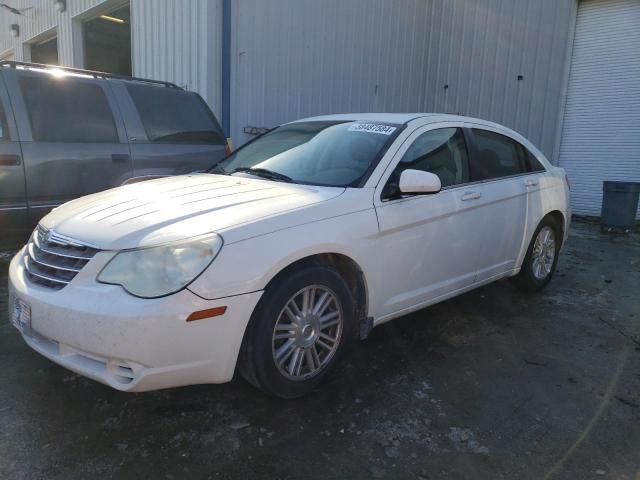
(298, 332)
(541, 258)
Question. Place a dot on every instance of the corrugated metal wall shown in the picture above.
(295, 58)
(175, 40)
(180, 42)
(41, 18)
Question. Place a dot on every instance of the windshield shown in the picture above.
(330, 153)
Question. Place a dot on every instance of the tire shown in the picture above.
(539, 265)
(275, 323)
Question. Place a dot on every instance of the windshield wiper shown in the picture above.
(265, 173)
(217, 169)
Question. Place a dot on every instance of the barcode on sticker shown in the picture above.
(372, 128)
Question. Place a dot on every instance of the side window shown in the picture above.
(4, 128)
(442, 152)
(170, 115)
(533, 165)
(67, 110)
(496, 156)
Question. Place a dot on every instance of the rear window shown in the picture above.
(496, 156)
(67, 110)
(533, 164)
(170, 115)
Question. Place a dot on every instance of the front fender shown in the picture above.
(248, 265)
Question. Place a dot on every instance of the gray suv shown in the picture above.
(65, 133)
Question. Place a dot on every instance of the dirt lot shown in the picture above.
(493, 384)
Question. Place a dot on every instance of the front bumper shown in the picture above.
(129, 343)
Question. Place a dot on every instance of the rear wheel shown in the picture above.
(298, 332)
(541, 259)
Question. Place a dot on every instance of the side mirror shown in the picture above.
(419, 181)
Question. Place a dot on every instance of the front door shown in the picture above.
(13, 202)
(424, 253)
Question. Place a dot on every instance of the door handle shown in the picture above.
(9, 160)
(119, 157)
(470, 196)
(531, 183)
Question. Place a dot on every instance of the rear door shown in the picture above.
(73, 141)
(499, 199)
(13, 202)
(171, 131)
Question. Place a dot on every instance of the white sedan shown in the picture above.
(294, 245)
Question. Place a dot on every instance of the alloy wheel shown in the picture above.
(544, 252)
(307, 332)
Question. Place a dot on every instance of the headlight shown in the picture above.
(158, 271)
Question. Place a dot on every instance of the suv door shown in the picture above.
(73, 141)
(425, 241)
(499, 199)
(13, 201)
(171, 131)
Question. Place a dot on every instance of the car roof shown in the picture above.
(399, 118)
(425, 119)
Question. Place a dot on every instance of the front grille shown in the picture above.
(52, 260)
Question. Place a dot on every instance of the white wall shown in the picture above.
(173, 40)
(601, 134)
(180, 41)
(39, 20)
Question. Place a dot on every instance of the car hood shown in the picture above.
(175, 208)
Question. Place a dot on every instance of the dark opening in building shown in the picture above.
(107, 42)
(45, 51)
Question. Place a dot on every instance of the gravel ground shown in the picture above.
(492, 384)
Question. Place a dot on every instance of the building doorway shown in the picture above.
(107, 42)
(45, 51)
(602, 116)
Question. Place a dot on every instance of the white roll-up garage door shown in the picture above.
(601, 128)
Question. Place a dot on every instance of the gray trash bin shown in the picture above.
(619, 205)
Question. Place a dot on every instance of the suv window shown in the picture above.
(67, 110)
(170, 115)
(442, 152)
(4, 128)
(496, 156)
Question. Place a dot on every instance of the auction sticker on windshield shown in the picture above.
(21, 315)
(372, 128)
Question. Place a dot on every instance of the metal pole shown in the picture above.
(226, 67)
